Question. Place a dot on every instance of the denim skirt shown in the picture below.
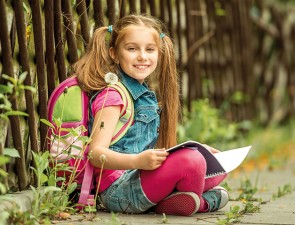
(125, 195)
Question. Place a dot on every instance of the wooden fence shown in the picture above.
(236, 53)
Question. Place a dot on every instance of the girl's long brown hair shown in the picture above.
(96, 62)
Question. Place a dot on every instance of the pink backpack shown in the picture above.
(68, 111)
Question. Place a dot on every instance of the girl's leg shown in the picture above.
(213, 182)
(183, 170)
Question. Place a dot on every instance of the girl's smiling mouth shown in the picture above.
(141, 67)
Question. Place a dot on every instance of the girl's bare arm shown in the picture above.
(101, 139)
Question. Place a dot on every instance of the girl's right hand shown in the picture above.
(150, 159)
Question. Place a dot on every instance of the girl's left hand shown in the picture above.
(213, 150)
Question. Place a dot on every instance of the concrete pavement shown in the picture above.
(277, 207)
(274, 210)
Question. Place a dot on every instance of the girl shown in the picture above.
(138, 174)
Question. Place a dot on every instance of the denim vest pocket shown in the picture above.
(146, 115)
(147, 121)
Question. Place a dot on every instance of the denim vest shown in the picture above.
(143, 134)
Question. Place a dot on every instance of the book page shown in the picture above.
(231, 159)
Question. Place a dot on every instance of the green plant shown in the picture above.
(5, 158)
(286, 189)
(205, 124)
(249, 207)
(231, 217)
(15, 216)
(226, 186)
(47, 201)
(10, 91)
(60, 166)
(235, 213)
(115, 220)
(164, 218)
(50, 200)
(247, 191)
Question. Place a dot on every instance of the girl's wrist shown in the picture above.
(134, 161)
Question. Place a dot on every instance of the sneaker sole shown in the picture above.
(187, 204)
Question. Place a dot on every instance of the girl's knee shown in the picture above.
(188, 158)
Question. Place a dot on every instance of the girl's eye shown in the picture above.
(131, 48)
(150, 49)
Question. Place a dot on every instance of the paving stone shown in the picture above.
(275, 211)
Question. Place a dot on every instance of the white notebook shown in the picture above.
(218, 163)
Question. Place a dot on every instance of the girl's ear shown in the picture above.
(112, 54)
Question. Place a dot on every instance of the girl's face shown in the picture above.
(137, 52)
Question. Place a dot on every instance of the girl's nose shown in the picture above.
(141, 56)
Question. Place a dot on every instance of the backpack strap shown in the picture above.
(126, 115)
(125, 121)
(85, 197)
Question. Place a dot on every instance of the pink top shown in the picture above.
(110, 97)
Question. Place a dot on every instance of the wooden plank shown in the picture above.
(70, 32)
(59, 45)
(98, 13)
(14, 120)
(82, 11)
(24, 62)
(40, 67)
(49, 38)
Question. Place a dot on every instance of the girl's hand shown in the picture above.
(213, 150)
(150, 159)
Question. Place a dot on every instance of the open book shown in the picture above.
(218, 163)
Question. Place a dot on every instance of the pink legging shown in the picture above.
(183, 170)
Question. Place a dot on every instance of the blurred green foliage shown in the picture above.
(207, 124)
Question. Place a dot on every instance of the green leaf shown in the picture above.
(76, 147)
(26, 9)
(72, 187)
(90, 209)
(51, 180)
(57, 121)
(22, 77)
(15, 113)
(3, 173)
(2, 116)
(46, 122)
(12, 152)
(33, 189)
(74, 131)
(4, 89)
(2, 188)
(31, 89)
(4, 159)
(58, 179)
(43, 178)
(51, 189)
(84, 139)
(11, 79)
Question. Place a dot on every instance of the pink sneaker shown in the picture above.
(179, 203)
